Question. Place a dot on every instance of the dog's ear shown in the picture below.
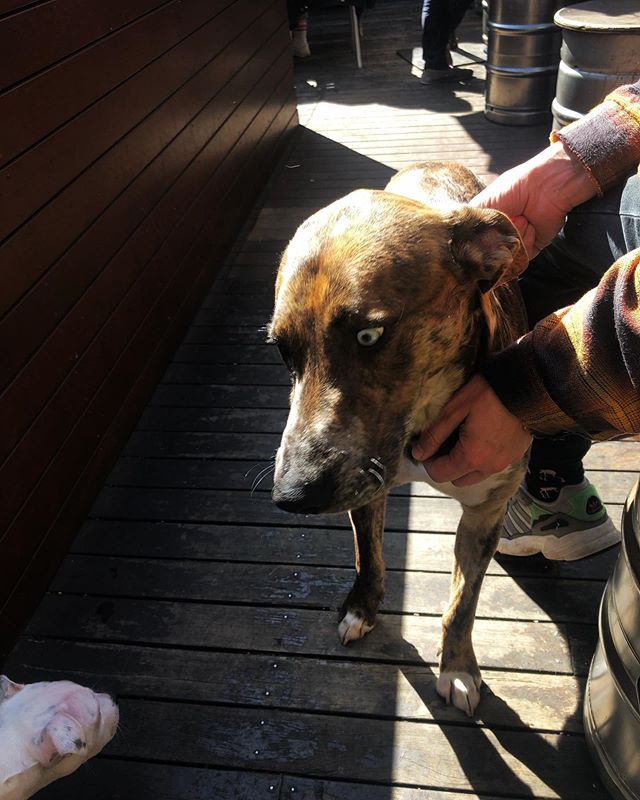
(61, 736)
(487, 246)
(8, 688)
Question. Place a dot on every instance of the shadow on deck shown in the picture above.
(212, 616)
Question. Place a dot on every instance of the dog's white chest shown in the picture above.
(410, 472)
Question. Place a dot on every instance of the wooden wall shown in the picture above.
(134, 137)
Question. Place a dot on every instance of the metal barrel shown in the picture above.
(522, 61)
(612, 700)
(600, 51)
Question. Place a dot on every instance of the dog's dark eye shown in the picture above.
(367, 337)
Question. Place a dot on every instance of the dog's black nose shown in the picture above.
(304, 497)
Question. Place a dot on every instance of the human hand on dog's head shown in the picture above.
(538, 194)
(490, 437)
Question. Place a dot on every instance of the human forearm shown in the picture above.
(607, 139)
(583, 159)
(579, 369)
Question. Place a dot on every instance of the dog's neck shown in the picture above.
(481, 336)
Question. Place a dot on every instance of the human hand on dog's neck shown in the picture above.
(538, 194)
(490, 437)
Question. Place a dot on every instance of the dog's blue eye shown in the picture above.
(369, 336)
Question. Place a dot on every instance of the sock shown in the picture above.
(545, 483)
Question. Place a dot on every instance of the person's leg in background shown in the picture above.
(440, 18)
(557, 511)
(298, 19)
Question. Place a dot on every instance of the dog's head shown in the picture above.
(373, 313)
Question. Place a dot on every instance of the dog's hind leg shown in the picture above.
(476, 540)
(358, 612)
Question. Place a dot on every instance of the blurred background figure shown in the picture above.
(298, 18)
(440, 18)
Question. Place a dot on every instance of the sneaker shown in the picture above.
(573, 526)
(448, 74)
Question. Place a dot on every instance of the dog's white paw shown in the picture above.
(461, 689)
(352, 626)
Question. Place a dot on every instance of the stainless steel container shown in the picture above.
(612, 699)
(600, 51)
(522, 61)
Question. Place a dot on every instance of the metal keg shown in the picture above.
(612, 699)
(600, 51)
(522, 61)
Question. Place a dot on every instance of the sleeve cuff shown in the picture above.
(513, 376)
(607, 139)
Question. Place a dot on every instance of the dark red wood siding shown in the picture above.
(134, 137)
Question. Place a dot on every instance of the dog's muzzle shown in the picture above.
(331, 482)
(306, 497)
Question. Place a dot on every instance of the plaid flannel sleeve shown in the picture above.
(607, 139)
(579, 369)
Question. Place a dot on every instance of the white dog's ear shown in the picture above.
(61, 736)
(8, 688)
(487, 246)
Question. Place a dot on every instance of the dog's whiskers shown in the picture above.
(262, 475)
(379, 478)
(378, 464)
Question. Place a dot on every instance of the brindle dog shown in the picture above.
(386, 303)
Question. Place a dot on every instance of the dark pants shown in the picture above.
(440, 18)
(295, 9)
(595, 235)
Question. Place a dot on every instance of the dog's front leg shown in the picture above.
(359, 610)
(476, 540)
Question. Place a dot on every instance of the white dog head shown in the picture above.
(47, 730)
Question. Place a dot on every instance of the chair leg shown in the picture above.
(355, 35)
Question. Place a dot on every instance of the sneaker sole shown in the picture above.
(571, 547)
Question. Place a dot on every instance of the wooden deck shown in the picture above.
(212, 616)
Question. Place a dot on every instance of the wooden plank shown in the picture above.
(565, 648)
(198, 353)
(185, 444)
(531, 599)
(56, 483)
(21, 602)
(541, 702)
(437, 515)
(234, 334)
(8, 6)
(201, 505)
(168, 394)
(46, 27)
(192, 433)
(172, 88)
(257, 319)
(240, 474)
(88, 371)
(409, 753)
(260, 374)
(206, 116)
(104, 778)
(42, 105)
(308, 546)
(613, 457)
(263, 420)
(111, 778)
